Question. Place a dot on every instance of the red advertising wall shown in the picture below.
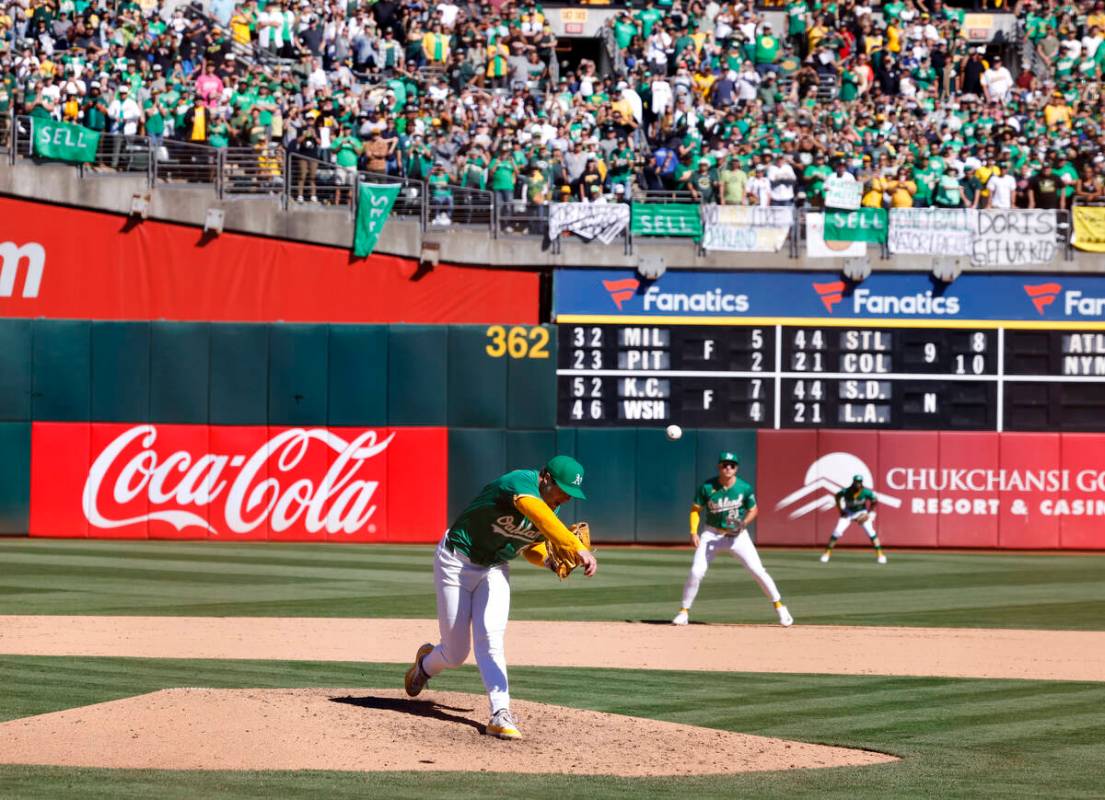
(106, 480)
(1003, 490)
(90, 265)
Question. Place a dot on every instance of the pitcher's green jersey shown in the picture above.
(491, 530)
(725, 508)
(854, 501)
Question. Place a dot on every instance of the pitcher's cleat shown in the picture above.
(785, 619)
(682, 618)
(415, 680)
(502, 725)
(824, 558)
(882, 559)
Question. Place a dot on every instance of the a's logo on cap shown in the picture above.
(1042, 294)
(622, 290)
(830, 293)
(578, 480)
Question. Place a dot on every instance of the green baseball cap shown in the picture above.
(568, 474)
(728, 455)
(857, 479)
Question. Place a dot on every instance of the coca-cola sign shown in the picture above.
(237, 482)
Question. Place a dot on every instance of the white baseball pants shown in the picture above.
(473, 604)
(843, 523)
(710, 543)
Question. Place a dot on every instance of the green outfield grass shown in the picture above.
(957, 738)
(1001, 590)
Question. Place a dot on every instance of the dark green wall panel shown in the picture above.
(239, 374)
(608, 456)
(358, 375)
(476, 457)
(15, 369)
(15, 477)
(529, 449)
(476, 392)
(666, 479)
(416, 374)
(531, 382)
(298, 364)
(121, 371)
(62, 370)
(180, 359)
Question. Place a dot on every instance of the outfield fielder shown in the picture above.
(855, 503)
(515, 512)
(730, 508)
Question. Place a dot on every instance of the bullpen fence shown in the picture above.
(966, 237)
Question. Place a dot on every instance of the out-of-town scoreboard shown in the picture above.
(783, 372)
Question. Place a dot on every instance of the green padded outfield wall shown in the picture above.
(493, 386)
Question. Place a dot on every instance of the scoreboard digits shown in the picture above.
(794, 376)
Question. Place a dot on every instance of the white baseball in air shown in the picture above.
(674, 432)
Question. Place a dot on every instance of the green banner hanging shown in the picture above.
(374, 202)
(864, 225)
(667, 219)
(64, 142)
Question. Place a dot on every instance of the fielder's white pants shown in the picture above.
(473, 603)
(710, 543)
(842, 525)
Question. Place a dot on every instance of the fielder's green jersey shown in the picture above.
(491, 530)
(854, 501)
(725, 508)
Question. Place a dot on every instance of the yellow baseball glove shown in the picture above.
(563, 560)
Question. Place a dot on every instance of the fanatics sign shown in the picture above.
(236, 483)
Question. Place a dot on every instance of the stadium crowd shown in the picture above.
(703, 98)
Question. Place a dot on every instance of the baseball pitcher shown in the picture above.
(514, 514)
(856, 503)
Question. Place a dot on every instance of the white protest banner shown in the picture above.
(817, 247)
(1014, 237)
(746, 229)
(931, 231)
(602, 221)
(843, 193)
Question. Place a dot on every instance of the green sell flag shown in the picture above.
(374, 202)
(64, 142)
(864, 225)
(667, 219)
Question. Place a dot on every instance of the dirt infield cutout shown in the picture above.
(371, 730)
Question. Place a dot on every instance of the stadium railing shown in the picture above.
(269, 171)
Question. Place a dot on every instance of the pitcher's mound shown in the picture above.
(383, 729)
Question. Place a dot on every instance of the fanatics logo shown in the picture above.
(1042, 294)
(622, 290)
(830, 293)
(827, 476)
(12, 257)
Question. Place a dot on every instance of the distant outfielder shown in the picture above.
(730, 508)
(515, 513)
(856, 504)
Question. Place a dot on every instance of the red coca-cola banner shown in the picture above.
(58, 262)
(236, 483)
(993, 490)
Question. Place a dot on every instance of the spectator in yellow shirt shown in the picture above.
(901, 190)
(239, 27)
(1057, 113)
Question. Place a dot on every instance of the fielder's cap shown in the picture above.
(728, 455)
(857, 479)
(568, 474)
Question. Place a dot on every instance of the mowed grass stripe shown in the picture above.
(259, 579)
(958, 738)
